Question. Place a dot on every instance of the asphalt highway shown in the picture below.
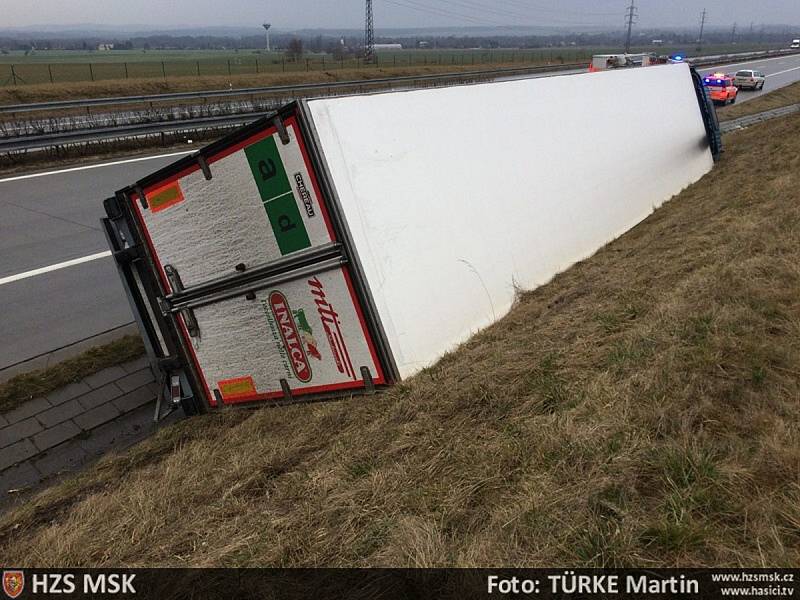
(52, 218)
(45, 221)
(780, 71)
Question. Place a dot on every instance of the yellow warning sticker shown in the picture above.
(240, 387)
(165, 196)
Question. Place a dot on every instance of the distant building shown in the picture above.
(105, 46)
(379, 47)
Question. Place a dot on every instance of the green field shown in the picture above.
(65, 66)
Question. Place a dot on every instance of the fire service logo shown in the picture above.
(13, 583)
(333, 330)
(291, 336)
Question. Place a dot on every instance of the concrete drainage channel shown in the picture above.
(62, 432)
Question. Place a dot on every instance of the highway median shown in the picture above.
(27, 386)
(779, 98)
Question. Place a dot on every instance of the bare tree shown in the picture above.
(295, 49)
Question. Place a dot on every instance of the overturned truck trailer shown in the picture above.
(346, 243)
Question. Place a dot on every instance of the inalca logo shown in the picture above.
(290, 335)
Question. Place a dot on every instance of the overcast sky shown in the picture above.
(296, 14)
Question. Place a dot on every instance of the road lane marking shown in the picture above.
(782, 72)
(750, 62)
(97, 166)
(56, 267)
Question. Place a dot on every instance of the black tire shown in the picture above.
(761, 87)
(733, 100)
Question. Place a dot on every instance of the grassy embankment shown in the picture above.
(40, 382)
(643, 408)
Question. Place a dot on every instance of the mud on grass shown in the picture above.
(643, 409)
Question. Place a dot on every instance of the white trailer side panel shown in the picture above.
(456, 196)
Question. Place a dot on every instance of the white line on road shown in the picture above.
(56, 267)
(97, 166)
(782, 72)
(750, 62)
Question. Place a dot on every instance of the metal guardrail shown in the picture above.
(124, 131)
(145, 99)
(49, 140)
(748, 120)
(278, 89)
(716, 58)
(96, 134)
(151, 98)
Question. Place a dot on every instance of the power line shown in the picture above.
(630, 15)
(438, 11)
(561, 11)
(483, 14)
(461, 4)
(515, 10)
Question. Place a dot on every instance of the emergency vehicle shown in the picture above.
(721, 89)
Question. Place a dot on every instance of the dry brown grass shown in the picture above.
(641, 409)
(784, 96)
(47, 92)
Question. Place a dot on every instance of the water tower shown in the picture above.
(266, 27)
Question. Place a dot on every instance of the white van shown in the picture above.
(753, 80)
(795, 44)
